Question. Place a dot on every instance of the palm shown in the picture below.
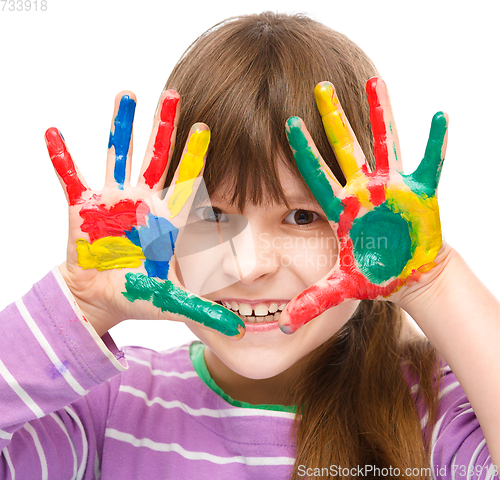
(387, 222)
(122, 239)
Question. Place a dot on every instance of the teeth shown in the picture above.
(257, 314)
(266, 319)
(245, 309)
(260, 310)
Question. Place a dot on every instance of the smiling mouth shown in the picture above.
(260, 313)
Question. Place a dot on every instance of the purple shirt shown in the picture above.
(71, 409)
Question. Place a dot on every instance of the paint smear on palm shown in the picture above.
(108, 253)
(120, 137)
(189, 169)
(100, 221)
(157, 235)
(124, 236)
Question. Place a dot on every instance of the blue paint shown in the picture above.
(157, 239)
(120, 139)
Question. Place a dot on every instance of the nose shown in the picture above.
(253, 256)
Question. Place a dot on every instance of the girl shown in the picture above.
(285, 234)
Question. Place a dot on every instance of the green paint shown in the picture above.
(169, 298)
(312, 172)
(395, 151)
(382, 244)
(425, 179)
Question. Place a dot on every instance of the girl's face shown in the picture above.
(281, 252)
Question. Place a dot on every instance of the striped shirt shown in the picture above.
(73, 406)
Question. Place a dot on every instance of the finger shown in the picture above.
(319, 178)
(71, 180)
(427, 174)
(182, 191)
(170, 298)
(120, 141)
(385, 135)
(338, 131)
(161, 142)
(315, 300)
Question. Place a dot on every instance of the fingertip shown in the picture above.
(287, 329)
(199, 139)
(170, 105)
(375, 86)
(200, 126)
(372, 82)
(169, 94)
(441, 119)
(324, 88)
(439, 126)
(294, 122)
(52, 133)
(324, 93)
(127, 95)
(285, 323)
(241, 333)
(54, 141)
(296, 134)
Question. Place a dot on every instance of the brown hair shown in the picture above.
(244, 78)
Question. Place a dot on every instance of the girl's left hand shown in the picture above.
(387, 222)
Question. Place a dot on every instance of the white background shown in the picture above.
(62, 67)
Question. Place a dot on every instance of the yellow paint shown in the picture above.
(426, 226)
(358, 186)
(189, 169)
(336, 129)
(108, 253)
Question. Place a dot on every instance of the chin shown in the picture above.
(259, 356)
(257, 370)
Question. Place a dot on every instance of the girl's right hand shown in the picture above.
(121, 239)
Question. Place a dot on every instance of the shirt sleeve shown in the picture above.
(53, 385)
(458, 447)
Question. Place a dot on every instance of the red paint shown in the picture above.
(379, 178)
(64, 165)
(346, 283)
(163, 141)
(350, 212)
(377, 184)
(379, 128)
(99, 221)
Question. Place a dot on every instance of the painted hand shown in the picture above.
(120, 261)
(387, 223)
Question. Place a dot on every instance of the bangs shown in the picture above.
(244, 78)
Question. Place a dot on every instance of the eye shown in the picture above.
(211, 214)
(301, 217)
